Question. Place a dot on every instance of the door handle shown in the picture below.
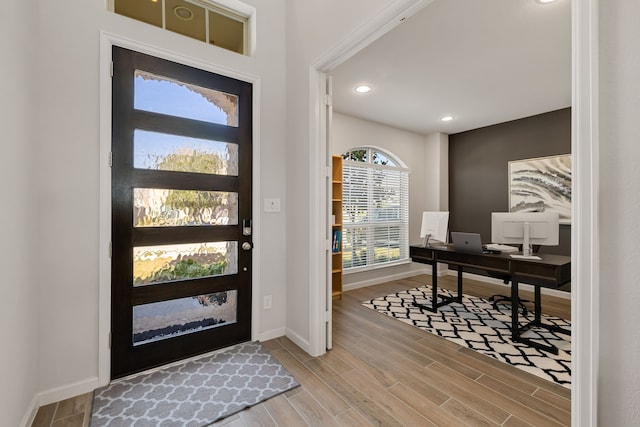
(247, 246)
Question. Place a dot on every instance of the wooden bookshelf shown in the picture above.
(336, 212)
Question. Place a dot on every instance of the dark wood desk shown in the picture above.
(551, 271)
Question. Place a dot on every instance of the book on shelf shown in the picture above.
(336, 245)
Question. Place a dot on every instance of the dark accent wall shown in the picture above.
(478, 169)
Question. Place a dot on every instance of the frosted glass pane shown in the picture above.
(168, 319)
(157, 207)
(168, 263)
(161, 151)
(159, 94)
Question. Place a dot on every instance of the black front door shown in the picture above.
(181, 211)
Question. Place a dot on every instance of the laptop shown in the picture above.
(467, 242)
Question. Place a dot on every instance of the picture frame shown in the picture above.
(541, 184)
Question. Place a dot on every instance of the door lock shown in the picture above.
(246, 227)
(247, 246)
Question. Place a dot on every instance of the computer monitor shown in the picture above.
(526, 229)
(434, 227)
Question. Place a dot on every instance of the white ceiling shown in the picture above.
(481, 61)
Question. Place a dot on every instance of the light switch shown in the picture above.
(272, 205)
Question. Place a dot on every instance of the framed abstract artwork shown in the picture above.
(541, 184)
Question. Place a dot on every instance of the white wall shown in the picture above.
(422, 155)
(19, 253)
(313, 28)
(68, 138)
(437, 159)
(619, 376)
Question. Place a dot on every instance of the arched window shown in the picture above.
(375, 209)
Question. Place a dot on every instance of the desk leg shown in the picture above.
(516, 330)
(538, 305)
(434, 287)
(459, 298)
(434, 292)
(515, 327)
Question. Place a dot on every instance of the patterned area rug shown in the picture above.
(196, 393)
(475, 324)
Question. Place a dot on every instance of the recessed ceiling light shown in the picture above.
(545, 1)
(183, 13)
(447, 118)
(363, 89)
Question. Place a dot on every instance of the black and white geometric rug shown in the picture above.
(475, 324)
(194, 394)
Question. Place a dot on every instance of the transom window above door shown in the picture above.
(227, 26)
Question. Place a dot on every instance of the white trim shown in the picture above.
(59, 394)
(368, 32)
(56, 395)
(317, 215)
(585, 313)
(30, 413)
(297, 339)
(272, 334)
(383, 279)
(354, 270)
(107, 40)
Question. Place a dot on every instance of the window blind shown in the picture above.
(375, 215)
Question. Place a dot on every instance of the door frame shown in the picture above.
(584, 148)
(107, 41)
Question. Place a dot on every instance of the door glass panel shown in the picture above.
(161, 151)
(168, 319)
(168, 263)
(159, 94)
(157, 207)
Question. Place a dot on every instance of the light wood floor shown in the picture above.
(382, 372)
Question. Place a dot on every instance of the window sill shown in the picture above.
(376, 267)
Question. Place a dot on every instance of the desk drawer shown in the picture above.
(496, 264)
(423, 255)
(546, 275)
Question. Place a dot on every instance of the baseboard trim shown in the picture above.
(67, 391)
(56, 395)
(298, 340)
(272, 334)
(388, 278)
(31, 412)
